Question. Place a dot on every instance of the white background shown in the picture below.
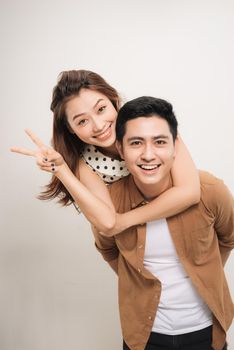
(56, 293)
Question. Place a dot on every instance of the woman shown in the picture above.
(85, 109)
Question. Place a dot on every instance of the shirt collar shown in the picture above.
(136, 197)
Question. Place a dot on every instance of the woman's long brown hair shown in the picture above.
(63, 141)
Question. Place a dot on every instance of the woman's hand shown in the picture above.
(46, 157)
(95, 205)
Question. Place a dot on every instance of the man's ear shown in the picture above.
(176, 146)
(119, 147)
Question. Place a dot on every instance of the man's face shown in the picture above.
(148, 150)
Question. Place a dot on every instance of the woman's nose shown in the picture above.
(98, 124)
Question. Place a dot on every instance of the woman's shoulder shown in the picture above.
(109, 169)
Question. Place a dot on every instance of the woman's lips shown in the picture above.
(104, 135)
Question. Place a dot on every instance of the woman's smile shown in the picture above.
(104, 135)
(92, 117)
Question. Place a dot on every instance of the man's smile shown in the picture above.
(149, 168)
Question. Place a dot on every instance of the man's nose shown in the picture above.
(148, 153)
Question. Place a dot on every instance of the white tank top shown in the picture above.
(181, 309)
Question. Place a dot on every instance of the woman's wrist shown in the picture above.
(63, 171)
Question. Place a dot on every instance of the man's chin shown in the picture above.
(145, 180)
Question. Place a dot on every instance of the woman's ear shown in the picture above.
(119, 147)
(69, 128)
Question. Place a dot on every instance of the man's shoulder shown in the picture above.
(119, 184)
(208, 179)
(120, 191)
(213, 190)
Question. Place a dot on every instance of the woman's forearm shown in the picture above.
(169, 203)
(99, 213)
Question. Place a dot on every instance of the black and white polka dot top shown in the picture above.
(109, 169)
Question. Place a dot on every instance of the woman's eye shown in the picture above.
(101, 109)
(82, 122)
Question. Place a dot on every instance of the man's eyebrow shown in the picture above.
(153, 137)
(83, 113)
(135, 138)
(160, 137)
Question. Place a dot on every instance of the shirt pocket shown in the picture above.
(202, 240)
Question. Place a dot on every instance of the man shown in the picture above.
(172, 289)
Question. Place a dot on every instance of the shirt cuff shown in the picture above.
(108, 253)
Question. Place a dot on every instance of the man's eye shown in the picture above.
(135, 143)
(160, 142)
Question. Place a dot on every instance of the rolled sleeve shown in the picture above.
(224, 223)
(106, 246)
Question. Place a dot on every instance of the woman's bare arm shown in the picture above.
(92, 196)
(96, 205)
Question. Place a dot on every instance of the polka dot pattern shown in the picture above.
(109, 169)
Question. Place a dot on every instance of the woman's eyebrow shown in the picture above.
(80, 114)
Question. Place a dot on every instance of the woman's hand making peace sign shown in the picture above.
(46, 157)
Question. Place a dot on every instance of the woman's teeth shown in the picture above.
(104, 135)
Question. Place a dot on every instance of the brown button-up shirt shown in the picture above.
(203, 236)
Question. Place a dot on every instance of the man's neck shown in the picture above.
(151, 191)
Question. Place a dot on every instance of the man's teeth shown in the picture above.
(149, 167)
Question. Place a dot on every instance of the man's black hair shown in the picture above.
(145, 106)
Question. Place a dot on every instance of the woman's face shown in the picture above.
(92, 118)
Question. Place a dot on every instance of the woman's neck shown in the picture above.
(110, 151)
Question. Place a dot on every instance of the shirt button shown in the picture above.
(140, 246)
(139, 270)
(150, 318)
